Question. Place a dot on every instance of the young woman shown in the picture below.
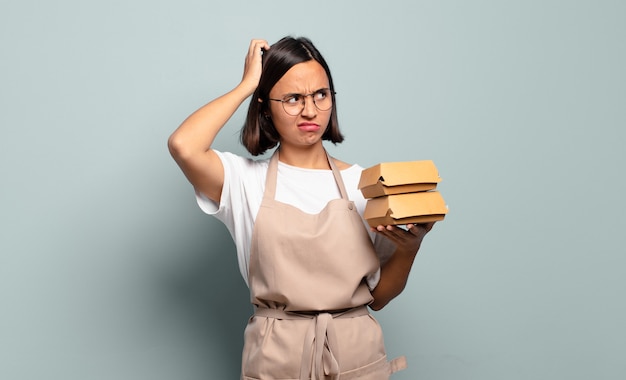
(304, 250)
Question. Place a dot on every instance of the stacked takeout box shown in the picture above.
(399, 193)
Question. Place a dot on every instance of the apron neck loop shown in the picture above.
(272, 175)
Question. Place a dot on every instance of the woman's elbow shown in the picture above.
(377, 305)
(177, 147)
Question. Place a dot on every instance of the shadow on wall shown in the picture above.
(211, 298)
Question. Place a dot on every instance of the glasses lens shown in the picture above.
(323, 100)
(294, 104)
(293, 109)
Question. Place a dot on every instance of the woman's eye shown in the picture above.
(321, 94)
(292, 99)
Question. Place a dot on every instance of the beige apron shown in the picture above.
(307, 283)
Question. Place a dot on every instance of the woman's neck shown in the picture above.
(312, 157)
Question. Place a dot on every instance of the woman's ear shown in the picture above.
(265, 113)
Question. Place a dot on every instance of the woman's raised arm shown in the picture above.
(190, 144)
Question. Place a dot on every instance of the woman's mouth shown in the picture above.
(308, 127)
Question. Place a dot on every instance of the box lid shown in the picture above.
(398, 177)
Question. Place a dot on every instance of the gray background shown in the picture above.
(108, 270)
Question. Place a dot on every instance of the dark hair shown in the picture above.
(258, 133)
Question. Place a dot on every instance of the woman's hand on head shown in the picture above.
(407, 241)
(253, 64)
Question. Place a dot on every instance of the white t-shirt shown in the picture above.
(307, 189)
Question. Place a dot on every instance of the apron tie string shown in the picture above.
(319, 357)
(318, 349)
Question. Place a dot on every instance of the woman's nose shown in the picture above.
(309, 109)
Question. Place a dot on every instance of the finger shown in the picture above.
(393, 232)
(426, 226)
(414, 229)
(383, 228)
(257, 46)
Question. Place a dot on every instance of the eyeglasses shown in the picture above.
(293, 104)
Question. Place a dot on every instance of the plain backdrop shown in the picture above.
(109, 270)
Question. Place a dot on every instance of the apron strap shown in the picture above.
(272, 175)
(261, 311)
(338, 179)
(270, 180)
(397, 364)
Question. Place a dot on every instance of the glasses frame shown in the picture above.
(303, 100)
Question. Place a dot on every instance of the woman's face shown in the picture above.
(306, 128)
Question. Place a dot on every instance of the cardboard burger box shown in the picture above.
(398, 178)
(402, 192)
(398, 209)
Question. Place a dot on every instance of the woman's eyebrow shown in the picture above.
(292, 94)
(301, 94)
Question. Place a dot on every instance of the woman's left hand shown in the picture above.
(395, 271)
(407, 241)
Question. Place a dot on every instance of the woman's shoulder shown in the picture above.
(342, 165)
(351, 173)
(242, 162)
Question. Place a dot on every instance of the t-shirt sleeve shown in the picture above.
(243, 185)
(242, 192)
(209, 206)
(384, 250)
